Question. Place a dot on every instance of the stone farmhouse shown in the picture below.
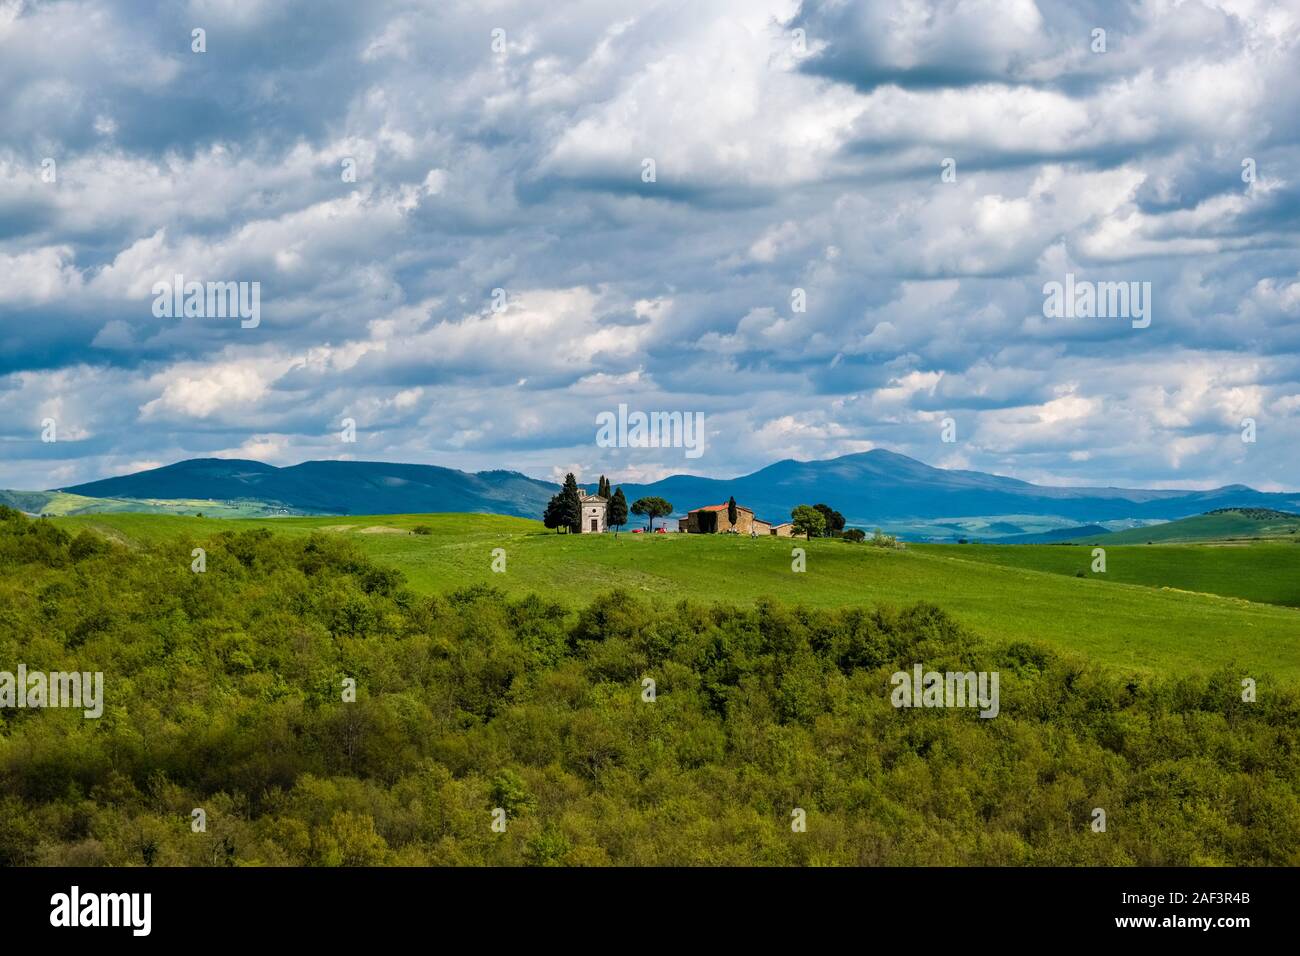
(712, 519)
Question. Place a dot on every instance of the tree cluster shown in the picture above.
(817, 521)
(564, 510)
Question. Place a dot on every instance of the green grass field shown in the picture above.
(1127, 623)
(1263, 571)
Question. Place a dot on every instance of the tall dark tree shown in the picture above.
(571, 504)
(617, 510)
(731, 510)
(834, 520)
(603, 489)
(552, 518)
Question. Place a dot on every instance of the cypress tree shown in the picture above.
(571, 504)
(618, 509)
(551, 518)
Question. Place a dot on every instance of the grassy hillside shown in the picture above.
(1124, 624)
(64, 503)
(1264, 571)
(1228, 524)
(229, 691)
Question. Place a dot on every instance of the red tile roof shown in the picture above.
(721, 507)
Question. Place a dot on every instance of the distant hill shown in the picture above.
(874, 488)
(1257, 514)
(1091, 531)
(32, 502)
(1217, 525)
(333, 487)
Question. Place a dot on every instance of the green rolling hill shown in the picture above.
(229, 690)
(63, 503)
(1263, 571)
(1220, 525)
(1148, 623)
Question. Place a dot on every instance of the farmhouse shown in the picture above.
(712, 519)
(784, 530)
(594, 510)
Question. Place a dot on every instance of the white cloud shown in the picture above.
(201, 392)
(41, 275)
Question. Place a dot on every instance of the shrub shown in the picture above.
(882, 540)
(85, 545)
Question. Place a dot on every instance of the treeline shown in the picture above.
(823, 521)
(224, 692)
(1258, 514)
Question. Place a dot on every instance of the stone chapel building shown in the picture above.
(594, 510)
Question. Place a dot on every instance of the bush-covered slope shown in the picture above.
(1136, 628)
(224, 693)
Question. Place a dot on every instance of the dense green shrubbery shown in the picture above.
(223, 692)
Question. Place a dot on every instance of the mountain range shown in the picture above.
(873, 487)
(881, 486)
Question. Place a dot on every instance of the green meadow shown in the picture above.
(1263, 571)
(1171, 610)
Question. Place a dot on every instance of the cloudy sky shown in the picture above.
(796, 146)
